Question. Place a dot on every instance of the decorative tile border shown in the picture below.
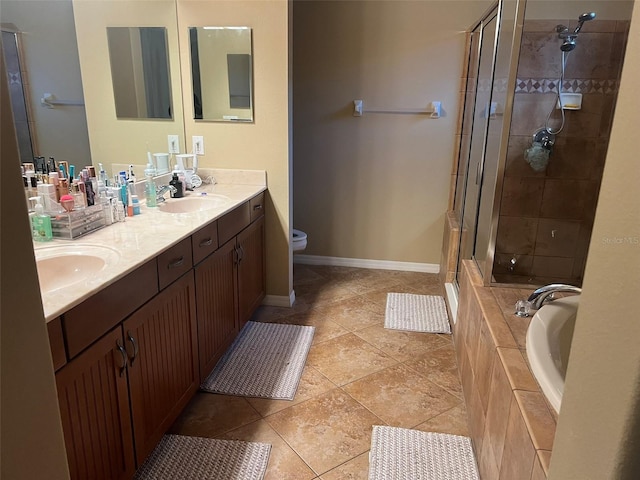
(578, 85)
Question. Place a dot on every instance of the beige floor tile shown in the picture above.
(376, 300)
(327, 430)
(399, 344)
(327, 294)
(401, 397)
(355, 469)
(347, 358)
(210, 415)
(267, 314)
(284, 463)
(306, 275)
(312, 383)
(452, 421)
(352, 314)
(440, 367)
(325, 329)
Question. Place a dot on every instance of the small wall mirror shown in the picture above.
(221, 73)
(140, 72)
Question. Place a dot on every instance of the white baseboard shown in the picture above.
(365, 263)
(280, 300)
(452, 300)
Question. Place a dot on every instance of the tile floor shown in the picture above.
(357, 375)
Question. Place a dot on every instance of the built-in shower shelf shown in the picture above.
(570, 101)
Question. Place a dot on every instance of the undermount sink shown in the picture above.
(193, 204)
(65, 265)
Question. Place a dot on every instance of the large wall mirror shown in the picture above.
(140, 71)
(221, 73)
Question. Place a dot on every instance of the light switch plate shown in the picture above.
(198, 144)
(174, 143)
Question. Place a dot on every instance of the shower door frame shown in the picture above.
(492, 13)
(519, 7)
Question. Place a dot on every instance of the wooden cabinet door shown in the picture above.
(251, 270)
(217, 304)
(161, 339)
(94, 407)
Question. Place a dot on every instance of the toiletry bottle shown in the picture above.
(150, 186)
(40, 223)
(124, 194)
(88, 186)
(177, 184)
(79, 199)
(120, 211)
(136, 204)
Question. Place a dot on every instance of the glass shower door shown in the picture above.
(484, 38)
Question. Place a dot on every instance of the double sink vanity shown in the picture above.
(138, 314)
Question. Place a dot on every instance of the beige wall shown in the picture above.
(32, 443)
(51, 60)
(598, 432)
(113, 140)
(375, 187)
(264, 144)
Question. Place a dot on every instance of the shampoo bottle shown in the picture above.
(40, 223)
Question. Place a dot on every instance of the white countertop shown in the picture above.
(142, 237)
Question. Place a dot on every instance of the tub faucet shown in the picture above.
(162, 189)
(539, 296)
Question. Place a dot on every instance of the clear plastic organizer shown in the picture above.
(78, 222)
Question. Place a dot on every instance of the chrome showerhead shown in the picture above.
(568, 37)
(585, 17)
(569, 44)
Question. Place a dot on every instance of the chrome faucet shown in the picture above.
(162, 189)
(539, 296)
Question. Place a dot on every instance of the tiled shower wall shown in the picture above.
(546, 217)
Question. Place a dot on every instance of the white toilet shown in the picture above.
(299, 241)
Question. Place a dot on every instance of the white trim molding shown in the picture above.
(366, 263)
(452, 300)
(280, 300)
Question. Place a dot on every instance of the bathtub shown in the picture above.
(548, 344)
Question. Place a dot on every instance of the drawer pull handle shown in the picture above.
(176, 263)
(241, 253)
(206, 243)
(123, 352)
(257, 207)
(135, 348)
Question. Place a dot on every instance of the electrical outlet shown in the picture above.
(198, 144)
(174, 143)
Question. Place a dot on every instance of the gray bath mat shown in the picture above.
(416, 313)
(266, 360)
(400, 453)
(195, 458)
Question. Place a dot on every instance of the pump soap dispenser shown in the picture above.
(177, 184)
(40, 223)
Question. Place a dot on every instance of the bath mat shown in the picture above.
(416, 313)
(195, 458)
(265, 360)
(400, 453)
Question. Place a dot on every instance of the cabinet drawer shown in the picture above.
(257, 206)
(233, 223)
(56, 342)
(94, 317)
(175, 262)
(204, 242)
